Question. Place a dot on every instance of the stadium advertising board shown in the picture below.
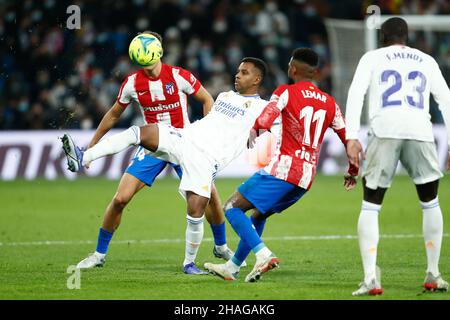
(38, 154)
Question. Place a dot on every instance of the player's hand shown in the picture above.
(349, 182)
(354, 149)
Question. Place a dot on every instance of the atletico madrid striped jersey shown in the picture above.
(162, 99)
(306, 113)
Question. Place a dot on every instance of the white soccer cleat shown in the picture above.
(226, 255)
(92, 261)
(221, 270)
(372, 288)
(433, 283)
(261, 267)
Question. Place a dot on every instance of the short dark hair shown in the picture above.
(153, 33)
(394, 29)
(306, 55)
(259, 64)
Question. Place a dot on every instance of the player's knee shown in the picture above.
(227, 206)
(120, 201)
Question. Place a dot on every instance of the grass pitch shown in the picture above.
(46, 226)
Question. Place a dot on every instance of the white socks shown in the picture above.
(263, 254)
(194, 236)
(113, 144)
(99, 255)
(432, 233)
(368, 236)
(232, 267)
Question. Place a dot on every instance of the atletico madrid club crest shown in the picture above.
(170, 89)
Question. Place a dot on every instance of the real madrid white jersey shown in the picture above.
(399, 80)
(224, 132)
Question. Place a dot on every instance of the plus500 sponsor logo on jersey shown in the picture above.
(162, 107)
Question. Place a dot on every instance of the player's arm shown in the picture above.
(267, 117)
(204, 97)
(338, 126)
(109, 120)
(355, 100)
(441, 93)
(272, 111)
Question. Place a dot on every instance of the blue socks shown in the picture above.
(243, 226)
(243, 249)
(104, 237)
(218, 231)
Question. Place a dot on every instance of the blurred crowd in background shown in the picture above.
(52, 77)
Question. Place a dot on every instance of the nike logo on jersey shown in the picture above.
(141, 93)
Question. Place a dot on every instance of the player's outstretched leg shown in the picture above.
(147, 136)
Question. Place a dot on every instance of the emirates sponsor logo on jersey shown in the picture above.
(228, 109)
(170, 89)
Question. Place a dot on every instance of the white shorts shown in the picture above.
(419, 158)
(199, 169)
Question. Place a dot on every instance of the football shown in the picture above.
(145, 50)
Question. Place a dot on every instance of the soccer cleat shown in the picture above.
(221, 270)
(92, 261)
(191, 268)
(433, 283)
(73, 153)
(368, 289)
(227, 255)
(262, 267)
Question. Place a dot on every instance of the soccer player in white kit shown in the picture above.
(201, 149)
(399, 80)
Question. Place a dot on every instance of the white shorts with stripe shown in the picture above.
(199, 169)
(419, 158)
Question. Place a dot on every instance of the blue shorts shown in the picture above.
(146, 168)
(269, 194)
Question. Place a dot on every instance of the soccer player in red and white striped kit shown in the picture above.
(306, 112)
(161, 92)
